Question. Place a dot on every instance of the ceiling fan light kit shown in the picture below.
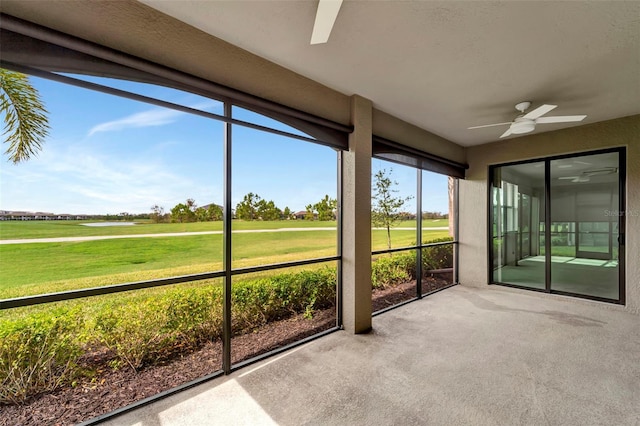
(526, 123)
(522, 125)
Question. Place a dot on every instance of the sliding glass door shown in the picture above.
(518, 208)
(557, 225)
(585, 200)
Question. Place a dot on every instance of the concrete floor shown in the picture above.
(463, 356)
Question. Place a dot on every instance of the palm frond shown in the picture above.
(25, 116)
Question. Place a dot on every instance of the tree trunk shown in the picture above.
(388, 237)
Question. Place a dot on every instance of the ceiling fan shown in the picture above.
(587, 174)
(325, 18)
(525, 123)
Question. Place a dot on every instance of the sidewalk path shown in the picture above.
(179, 234)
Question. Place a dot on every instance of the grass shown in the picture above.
(10, 230)
(36, 268)
(73, 228)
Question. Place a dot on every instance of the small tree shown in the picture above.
(326, 208)
(184, 212)
(208, 213)
(267, 210)
(247, 209)
(309, 214)
(157, 213)
(215, 212)
(385, 205)
(286, 213)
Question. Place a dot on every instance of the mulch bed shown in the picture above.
(384, 298)
(114, 389)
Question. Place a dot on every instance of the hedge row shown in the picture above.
(391, 270)
(43, 349)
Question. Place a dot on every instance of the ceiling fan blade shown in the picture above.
(540, 111)
(488, 125)
(325, 17)
(507, 133)
(568, 177)
(561, 119)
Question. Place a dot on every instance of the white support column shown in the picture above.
(356, 220)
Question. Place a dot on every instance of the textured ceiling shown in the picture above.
(446, 66)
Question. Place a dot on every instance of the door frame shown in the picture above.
(622, 160)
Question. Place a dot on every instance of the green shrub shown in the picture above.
(195, 314)
(153, 328)
(394, 269)
(156, 327)
(437, 257)
(258, 302)
(38, 353)
(389, 271)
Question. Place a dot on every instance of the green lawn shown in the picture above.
(36, 268)
(75, 228)
(10, 230)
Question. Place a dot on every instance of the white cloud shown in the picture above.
(154, 117)
(76, 179)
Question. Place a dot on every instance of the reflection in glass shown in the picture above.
(584, 238)
(518, 225)
(582, 235)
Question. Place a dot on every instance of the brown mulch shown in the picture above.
(384, 298)
(114, 389)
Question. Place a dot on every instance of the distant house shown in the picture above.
(206, 206)
(22, 215)
(302, 214)
(18, 215)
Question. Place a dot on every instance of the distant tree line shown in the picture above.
(435, 215)
(252, 207)
(386, 208)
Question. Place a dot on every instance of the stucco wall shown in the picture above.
(473, 191)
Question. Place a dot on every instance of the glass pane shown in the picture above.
(393, 205)
(272, 309)
(101, 353)
(121, 192)
(284, 199)
(517, 195)
(393, 276)
(584, 246)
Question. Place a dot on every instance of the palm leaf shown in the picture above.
(25, 116)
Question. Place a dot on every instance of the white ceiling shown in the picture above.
(448, 65)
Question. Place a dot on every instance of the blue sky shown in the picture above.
(107, 154)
